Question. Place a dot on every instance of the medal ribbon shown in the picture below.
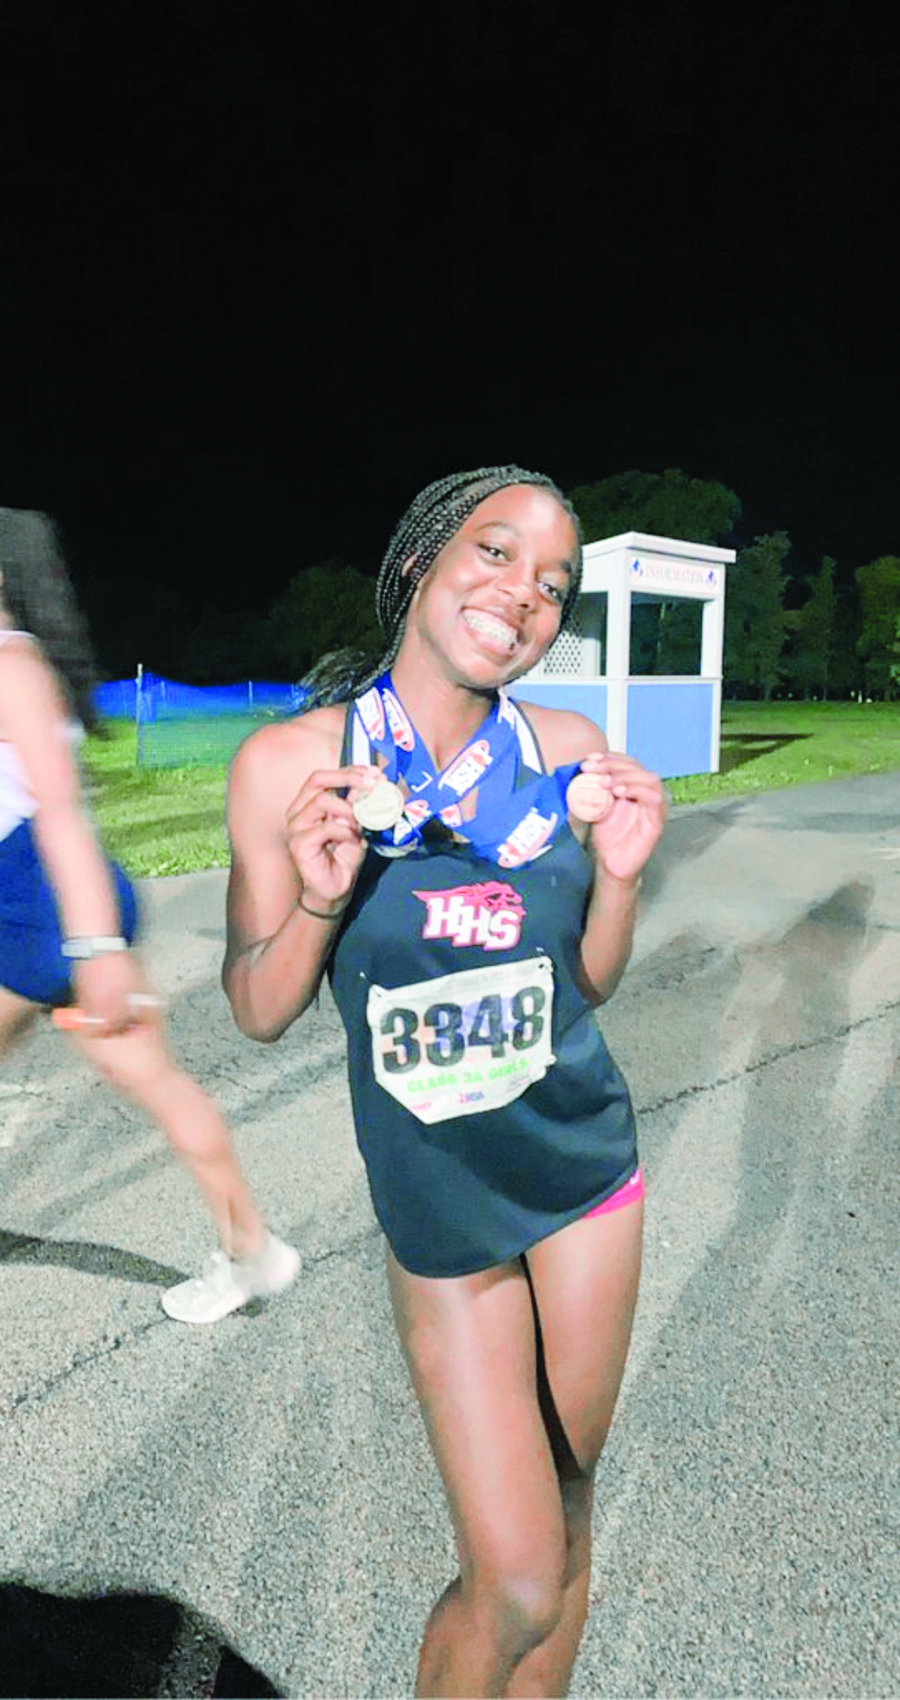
(511, 825)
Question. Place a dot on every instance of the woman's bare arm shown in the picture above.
(295, 852)
(33, 719)
(621, 843)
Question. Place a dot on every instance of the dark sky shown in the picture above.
(268, 267)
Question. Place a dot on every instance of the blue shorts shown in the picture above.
(31, 962)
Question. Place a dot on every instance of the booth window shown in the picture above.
(666, 636)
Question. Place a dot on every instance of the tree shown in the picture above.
(324, 607)
(813, 628)
(846, 676)
(223, 645)
(667, 504)
(879, 597)
(755, 620)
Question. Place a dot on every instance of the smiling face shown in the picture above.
(489, 605)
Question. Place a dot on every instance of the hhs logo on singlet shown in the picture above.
(490, 914)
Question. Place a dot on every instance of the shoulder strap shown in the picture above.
(529, 748)
(355, 747)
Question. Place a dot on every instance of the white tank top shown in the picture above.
(17, 801)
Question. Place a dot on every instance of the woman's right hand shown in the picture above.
(324, 838)
(112, 995)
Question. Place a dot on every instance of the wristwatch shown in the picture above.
(84, 948)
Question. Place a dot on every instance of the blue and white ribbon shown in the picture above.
(512, 823)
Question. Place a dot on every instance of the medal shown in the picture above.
(588, 799)
(380, 808)
(514, 822)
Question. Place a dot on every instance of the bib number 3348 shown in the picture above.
(465, 1043)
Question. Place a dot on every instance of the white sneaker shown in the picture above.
(227, 1283)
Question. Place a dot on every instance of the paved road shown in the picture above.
(264, 1487)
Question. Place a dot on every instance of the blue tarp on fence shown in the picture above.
(179, 725)
(117, 699)
(166, 699)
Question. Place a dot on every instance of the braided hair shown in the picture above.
(430, 521)
(38, 595)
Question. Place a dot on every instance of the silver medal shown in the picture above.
(380, 808)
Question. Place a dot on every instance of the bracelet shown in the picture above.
(83, 949)
(320, 913)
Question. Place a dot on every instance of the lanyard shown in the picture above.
(512, 824)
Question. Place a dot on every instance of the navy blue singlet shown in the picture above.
(455, 980)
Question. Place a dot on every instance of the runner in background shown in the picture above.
(466, 870)
(68, 917)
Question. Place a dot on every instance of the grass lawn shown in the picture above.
(170, 820)
(765, 745)
(156, 820)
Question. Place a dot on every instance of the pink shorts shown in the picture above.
(632, 1190)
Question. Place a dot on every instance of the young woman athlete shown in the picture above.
(467, 945)
(68, 915)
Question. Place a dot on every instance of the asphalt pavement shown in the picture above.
(252, 1508)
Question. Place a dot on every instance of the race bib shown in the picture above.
(465, 1043)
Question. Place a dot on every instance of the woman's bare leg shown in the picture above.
(139, 1064)
(585, 1282)
(470, 1345)
(16, 1014)
(516, 1433)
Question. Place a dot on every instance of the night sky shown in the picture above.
(268, 267)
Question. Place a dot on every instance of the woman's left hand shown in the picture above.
(627, 835)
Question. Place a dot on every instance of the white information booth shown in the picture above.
(670, 723)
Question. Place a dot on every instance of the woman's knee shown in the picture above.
(523, 1606)
(16, 1016)
(136, 1063)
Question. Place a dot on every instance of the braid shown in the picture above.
(432, 518)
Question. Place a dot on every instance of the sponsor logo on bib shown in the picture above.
(489, 913)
